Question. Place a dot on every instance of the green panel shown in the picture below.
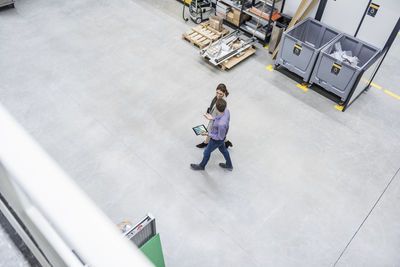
(152, 249)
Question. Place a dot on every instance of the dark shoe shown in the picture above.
(202, 145)
(228, 144)
(223, 165)
(196, 167)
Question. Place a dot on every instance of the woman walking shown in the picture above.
(221, 92)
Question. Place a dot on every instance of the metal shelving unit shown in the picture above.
(259, 25)
(265, 18)
(231, 3)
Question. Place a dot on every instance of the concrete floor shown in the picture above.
(111, 91)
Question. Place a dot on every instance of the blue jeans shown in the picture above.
(212, 145)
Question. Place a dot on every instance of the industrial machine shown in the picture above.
(199, 10)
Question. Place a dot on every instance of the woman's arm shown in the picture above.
(208, 116)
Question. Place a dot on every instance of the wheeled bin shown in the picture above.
(339, 75)
(301, 44)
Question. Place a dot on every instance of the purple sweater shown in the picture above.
(221, 126)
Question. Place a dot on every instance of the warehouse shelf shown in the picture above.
(268, 12)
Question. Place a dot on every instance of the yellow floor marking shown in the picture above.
(266, 47)
(303, 87)
(270, 68)
(372, 84)
(376, 86)
(392, 94)
(339, 107)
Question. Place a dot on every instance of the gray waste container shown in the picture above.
(337, 75)
(301, 44)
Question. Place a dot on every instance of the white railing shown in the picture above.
(58, 215)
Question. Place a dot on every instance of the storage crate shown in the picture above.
(339, 76)
(301, 44)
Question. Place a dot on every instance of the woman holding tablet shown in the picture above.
(221, 92)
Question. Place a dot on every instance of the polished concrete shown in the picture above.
(111, 91)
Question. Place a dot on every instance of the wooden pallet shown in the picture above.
(233, 61)
(203, 35)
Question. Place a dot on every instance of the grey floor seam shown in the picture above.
(365, 219)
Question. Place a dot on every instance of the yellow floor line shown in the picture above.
(373, 84)
(376, 86)
(303, 87)
(339, 107)
(266, 47)
(392, 94)
(270, 68)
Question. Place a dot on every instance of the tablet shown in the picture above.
(200, 129)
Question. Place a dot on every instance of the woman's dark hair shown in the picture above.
(222, 88)
(221, 105)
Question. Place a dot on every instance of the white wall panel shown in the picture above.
(376, 30)
(344, 15)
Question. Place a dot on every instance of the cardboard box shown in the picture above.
(229, 17)
(216, 23)
(234, 16)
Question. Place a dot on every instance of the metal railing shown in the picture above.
(54, 217)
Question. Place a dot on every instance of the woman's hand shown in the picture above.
(204, 134)
(208, 116)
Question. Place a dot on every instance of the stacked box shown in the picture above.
(236, 16)
(233, 16)
(229, 17)
(216, 23)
